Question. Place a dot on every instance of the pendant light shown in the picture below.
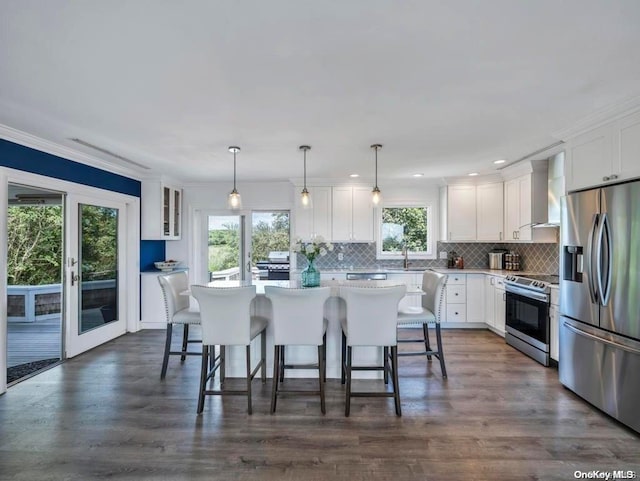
(305, 196)
(234, 201)
(376, 195)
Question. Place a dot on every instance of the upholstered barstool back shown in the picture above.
(176, 307)
(225, 314)
(433, 285)
(372, 314)
(227, 321)
(298, 319)
(298, 314)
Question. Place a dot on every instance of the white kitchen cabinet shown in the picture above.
(500, 303)
(525, 203)
(603, 155)
(456, 298)
(161, 211)
(458, 213)
(554, 325)
(316, 220)
(489, 212)
(495, 304)
(352, 214)
(475, 298)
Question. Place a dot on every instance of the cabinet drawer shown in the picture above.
(456, 293)
(456, 279)
(456, 313)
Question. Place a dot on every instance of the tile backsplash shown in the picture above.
(541, 258)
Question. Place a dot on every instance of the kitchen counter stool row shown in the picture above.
(297, 318)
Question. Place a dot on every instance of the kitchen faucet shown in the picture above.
(405, 253)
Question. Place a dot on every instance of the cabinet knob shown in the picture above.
(456, 294)
(456, 313)
(613, 177)
(605, 178)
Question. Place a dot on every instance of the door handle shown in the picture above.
(74, 278)
(590, 277)
(604, 287)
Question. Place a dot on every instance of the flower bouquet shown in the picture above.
(311, 250)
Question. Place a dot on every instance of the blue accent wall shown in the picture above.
(151, 251)
(19, 157)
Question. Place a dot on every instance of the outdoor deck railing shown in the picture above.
(34, 303)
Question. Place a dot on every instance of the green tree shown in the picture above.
(34, 249)
(270, 236)
(224, 247)
(99, 227)
(405, 225)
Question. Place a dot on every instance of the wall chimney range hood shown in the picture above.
(555, 191)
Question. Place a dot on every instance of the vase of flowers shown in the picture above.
(316, 247)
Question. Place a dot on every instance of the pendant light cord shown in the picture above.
(305, 168)
(234, 170)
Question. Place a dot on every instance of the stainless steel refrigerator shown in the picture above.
(600, 299)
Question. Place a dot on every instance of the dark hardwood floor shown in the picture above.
(499, 416)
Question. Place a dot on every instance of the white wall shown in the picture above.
(270, 196)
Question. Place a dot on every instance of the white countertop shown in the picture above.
(335, 285)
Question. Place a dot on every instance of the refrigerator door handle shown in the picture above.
(602, 340)
(602, 292)
(606, 293)
(590, 270)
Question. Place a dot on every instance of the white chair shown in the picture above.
(227, 321)
(298, 319)
(433, 284)
(177, 311)
(371, 321)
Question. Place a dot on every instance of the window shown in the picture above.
(402, 226)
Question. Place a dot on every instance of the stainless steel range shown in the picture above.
(278, 267)
(527, 314)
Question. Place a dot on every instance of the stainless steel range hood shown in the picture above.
(555, 190)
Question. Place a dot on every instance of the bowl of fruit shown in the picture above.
(166, 266)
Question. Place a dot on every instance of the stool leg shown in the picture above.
(324, 357)
(347, 409)
(276, 373)
(427, 343)
(320, 378)
(385, 362)
(222, 365)
(249, 410)
(396, 384)
(203, 378)
(440, 351)
(344, 357)
(185, 340)
(282, 349)
(263, 356)
(167, 349)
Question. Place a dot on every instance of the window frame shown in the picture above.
(430, 253)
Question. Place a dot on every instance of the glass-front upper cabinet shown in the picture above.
(161, 207)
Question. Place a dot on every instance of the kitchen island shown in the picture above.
(334, 310)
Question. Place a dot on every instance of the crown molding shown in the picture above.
(28, 140)
(599, 118)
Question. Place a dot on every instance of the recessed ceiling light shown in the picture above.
(473, 173)
(418, 175)
(501, 161)
(354, 175)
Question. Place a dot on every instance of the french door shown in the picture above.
(227, 246)
(95, 301)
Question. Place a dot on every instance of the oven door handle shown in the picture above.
(538, 296)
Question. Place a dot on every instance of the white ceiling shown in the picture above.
(447, 87)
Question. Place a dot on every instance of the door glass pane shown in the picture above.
(98, 271)
(224, 247)
(270, 234)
